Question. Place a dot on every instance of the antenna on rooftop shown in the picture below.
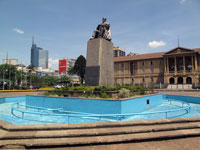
(178, 40)
(32, 40)
(7, 58)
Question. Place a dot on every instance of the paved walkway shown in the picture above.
(178, 144)
(11, 94)
(180, 92)
(143, 135)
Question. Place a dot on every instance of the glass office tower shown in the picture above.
(39, 57)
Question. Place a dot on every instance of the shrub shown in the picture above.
(104, 95)
(53, 93)
(142, 91)
(117, 87)
(24, 87)
(123, 93)
(16, 87)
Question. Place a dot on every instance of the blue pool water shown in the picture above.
(45, 110)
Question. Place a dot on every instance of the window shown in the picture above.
(151, 63)
(161, 70)
(151, 70)
(122, 81)
(115, 81)
(143, 71)
(115, 54)
(143, 63)
(122, 68)
(132, 80)
(151, 79)
(160, 62)
(143, 79)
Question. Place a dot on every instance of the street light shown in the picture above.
(3, 79)
(9, 77)
(21, 76)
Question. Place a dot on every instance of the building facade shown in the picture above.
(10, 61)
(117, 52)
(179, 66)
(65, 64)
(39, 57)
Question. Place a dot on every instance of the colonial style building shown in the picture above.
(179, 66)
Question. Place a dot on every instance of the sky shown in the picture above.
(63, 27)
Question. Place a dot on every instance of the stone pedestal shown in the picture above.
(99, 63)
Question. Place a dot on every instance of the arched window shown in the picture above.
(188, 80)
(171, 81)
(180, 80)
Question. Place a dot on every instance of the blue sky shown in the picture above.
(63, 27)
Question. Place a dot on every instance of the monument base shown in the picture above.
(99, 63)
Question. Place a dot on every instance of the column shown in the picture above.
(195, 60)
(184, 64)
(175, 69)
(167, 65)
(192, 64)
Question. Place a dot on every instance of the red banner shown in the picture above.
(62, 66)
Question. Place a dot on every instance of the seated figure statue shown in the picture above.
(103, 30)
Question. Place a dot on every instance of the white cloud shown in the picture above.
(19, 31)
(182, 1)
(155, 44)
(53, 63)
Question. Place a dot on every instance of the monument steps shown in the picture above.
(88, 134)
(96, 132)
(76, 141)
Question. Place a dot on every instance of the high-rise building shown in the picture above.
(39, 57)
(119, 52)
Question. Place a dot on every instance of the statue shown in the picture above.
(102, 30)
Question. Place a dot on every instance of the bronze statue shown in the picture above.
(102, 30)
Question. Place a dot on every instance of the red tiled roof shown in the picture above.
(196, 49)
(139, 56)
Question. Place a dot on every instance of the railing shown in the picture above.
(41, 111)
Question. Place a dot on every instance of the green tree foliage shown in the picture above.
(33, 79)
(9, 74)
(70, 70)
(48, 81)
(64, 80)
(79, 67)
(31, 67)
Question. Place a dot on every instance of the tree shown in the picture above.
(9, 74)
(31, 67)
(70, 70)
(64, 80)
(79, 67)
(48, 81)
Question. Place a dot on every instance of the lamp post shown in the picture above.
(9, 77)
(26, 79)
(3, 79)
(21, 76)
(15, 77)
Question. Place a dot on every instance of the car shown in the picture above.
(58, 86)
(34, 87)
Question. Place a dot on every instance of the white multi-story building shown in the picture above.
(64, 65)
(10, 61)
